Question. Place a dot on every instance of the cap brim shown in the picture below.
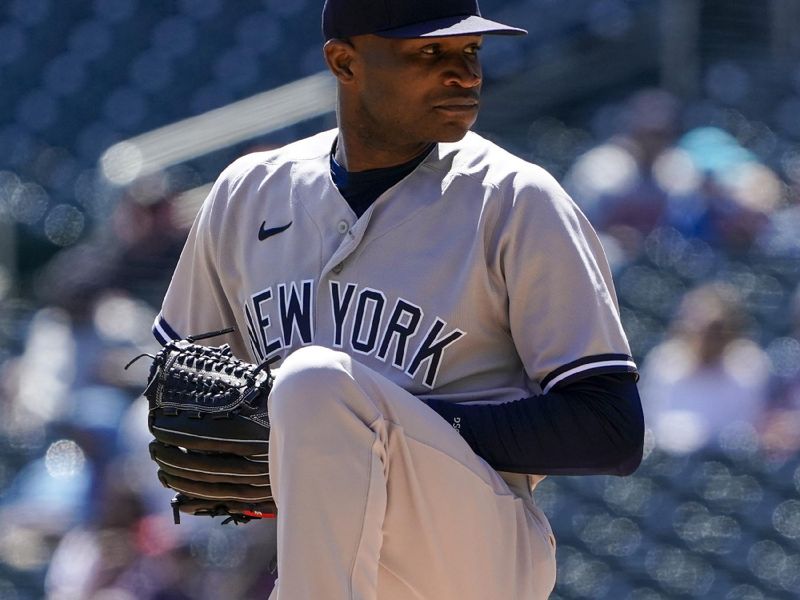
(448, 26)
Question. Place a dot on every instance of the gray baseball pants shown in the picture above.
(379, 498)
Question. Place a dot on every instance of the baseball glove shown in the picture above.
(208, 414)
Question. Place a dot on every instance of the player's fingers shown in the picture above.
(213, 468)
(220, 492)
(197, 506)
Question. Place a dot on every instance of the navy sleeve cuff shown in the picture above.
(163, 332)
(598, 364)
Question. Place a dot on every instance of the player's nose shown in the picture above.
(463, 71)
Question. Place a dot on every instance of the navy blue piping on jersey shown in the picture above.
(588, 365)
(163, 332)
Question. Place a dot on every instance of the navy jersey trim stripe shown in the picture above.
(588, 365)
(159, 337)
(163, 332)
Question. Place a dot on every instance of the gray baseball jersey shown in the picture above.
(475, 278)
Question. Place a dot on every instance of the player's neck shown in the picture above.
(357, 154)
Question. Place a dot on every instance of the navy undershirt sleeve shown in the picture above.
(587, 427)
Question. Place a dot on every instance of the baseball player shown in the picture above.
(442, 315)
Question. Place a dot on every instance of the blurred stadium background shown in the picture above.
(675, 125)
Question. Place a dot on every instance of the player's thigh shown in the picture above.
(453, 528)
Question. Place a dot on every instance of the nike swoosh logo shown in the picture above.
(265, 233)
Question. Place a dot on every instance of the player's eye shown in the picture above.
(472, 49)
(431, 50)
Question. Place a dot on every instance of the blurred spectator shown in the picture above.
(68, 392)
(149, 235)
(91, 557)
(125, 552)
(790, 394)
(704, 183)
(782, 427)
(780, 237)
(707, 377)
(615, 183)
(719, 192)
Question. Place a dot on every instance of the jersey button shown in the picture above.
(343, 227)
(338, 268)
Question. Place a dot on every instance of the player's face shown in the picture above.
(417, 90)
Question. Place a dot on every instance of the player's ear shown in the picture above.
(339, 55)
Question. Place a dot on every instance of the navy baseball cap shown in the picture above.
(408, 19)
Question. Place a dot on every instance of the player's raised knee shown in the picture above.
(305, 378)
(312, 360)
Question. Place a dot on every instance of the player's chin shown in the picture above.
(452, 136)
(453, 131)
